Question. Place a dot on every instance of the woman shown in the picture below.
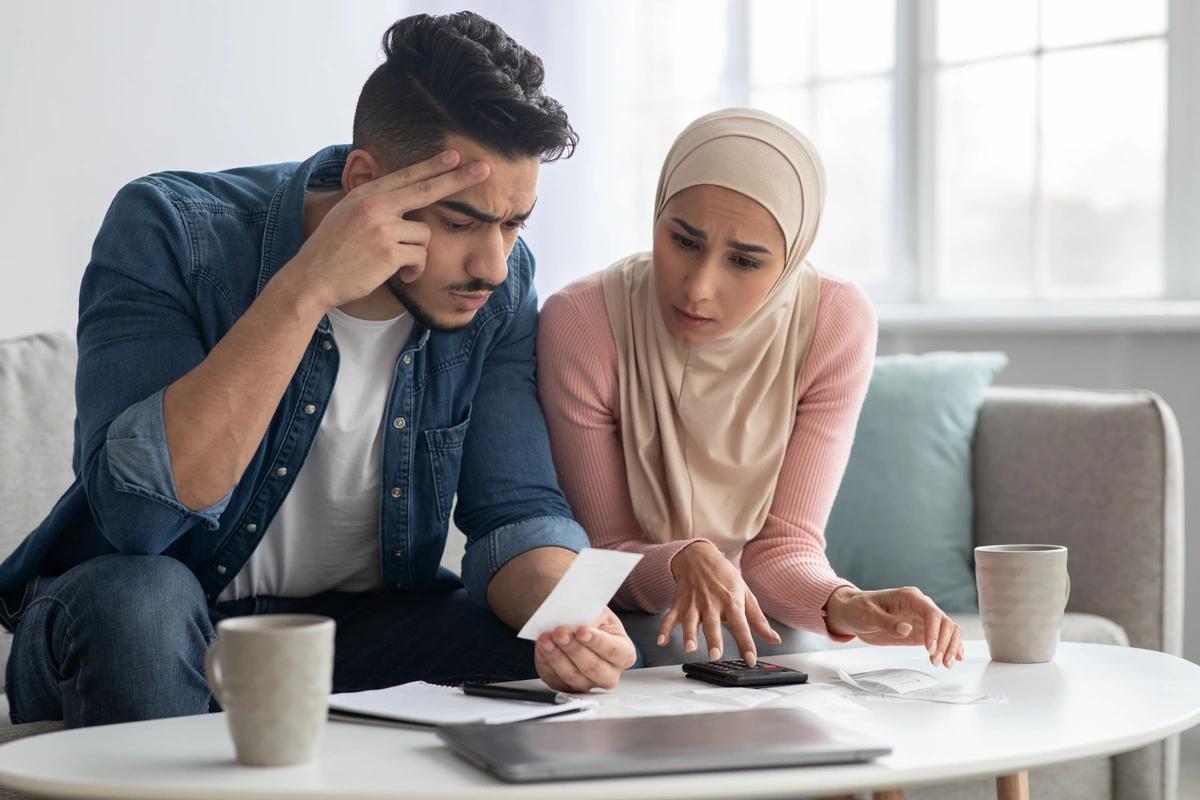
(702, 400)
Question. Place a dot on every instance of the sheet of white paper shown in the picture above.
(911, 684)
(582, 592)
(739, 696)
(645, 705)
(830, 702)
(430, 704)
(889, 681)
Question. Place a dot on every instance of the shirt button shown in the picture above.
(282, 471)
(251, 528)
(326, 345)
(310, 409)
(397, 491)
(399, 422)
(398, 553)
(220, 569)
(408, 358)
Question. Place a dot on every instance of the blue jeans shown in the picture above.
(121, 638)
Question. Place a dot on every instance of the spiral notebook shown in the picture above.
(421, 703)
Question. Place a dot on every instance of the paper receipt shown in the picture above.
(911, 684)
(582, 592)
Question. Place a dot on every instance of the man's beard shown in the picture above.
(421, 316)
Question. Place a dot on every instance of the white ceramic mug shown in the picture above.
(272, 674)
(1023, 591)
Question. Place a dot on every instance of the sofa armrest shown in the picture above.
(1099, 472)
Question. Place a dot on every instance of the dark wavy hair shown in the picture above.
(460, 74)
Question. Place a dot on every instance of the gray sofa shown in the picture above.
(1100, 472)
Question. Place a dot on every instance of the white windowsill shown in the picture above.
(1146, 316)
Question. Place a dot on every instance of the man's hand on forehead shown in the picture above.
(365, 239)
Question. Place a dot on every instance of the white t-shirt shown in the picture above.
(326, 533)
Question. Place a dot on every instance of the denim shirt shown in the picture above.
(179, 258)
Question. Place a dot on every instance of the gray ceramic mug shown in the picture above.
(1023, 591)
(272, 674)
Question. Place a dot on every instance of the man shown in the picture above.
(285, 375)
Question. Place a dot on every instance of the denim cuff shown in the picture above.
(140, 462)
(485, 556)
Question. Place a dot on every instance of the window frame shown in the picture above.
(913, 277)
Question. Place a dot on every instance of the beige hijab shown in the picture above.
(705, 428)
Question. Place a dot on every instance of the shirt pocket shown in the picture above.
(445, 446)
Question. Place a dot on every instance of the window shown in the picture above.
(835, 83)
(1049, 148)
(975, 149)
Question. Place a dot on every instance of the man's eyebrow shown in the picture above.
(749, 248)
(692, 231)
(525, 216)
(471, 211)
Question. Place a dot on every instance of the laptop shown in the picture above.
(611, 748)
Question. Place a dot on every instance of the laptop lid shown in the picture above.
(609, 748)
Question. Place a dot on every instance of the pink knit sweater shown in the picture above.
(785, 565)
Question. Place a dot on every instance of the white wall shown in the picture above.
(93, 95)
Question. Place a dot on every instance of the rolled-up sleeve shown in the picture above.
(484, 557)
(138, 333)
(139, 464)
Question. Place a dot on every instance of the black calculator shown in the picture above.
(736, 672)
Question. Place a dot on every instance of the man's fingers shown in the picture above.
(410, 262)
(410, 255)
(412, 232)
(431, 190)
(564, 667)
(596, 671)
(615, 649)
(758, 620)
(545, 669)
(423, 170)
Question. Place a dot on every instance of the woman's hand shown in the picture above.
(588, 657)
(895, 616)
(710, 591)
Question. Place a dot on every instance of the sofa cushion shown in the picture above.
(902, 516)
(37, 415)
(10, 733)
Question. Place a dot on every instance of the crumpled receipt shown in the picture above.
(912, 684)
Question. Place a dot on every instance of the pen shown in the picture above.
(514, 693)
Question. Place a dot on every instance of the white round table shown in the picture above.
(1093, 700)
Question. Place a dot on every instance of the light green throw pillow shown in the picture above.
(903, 514)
